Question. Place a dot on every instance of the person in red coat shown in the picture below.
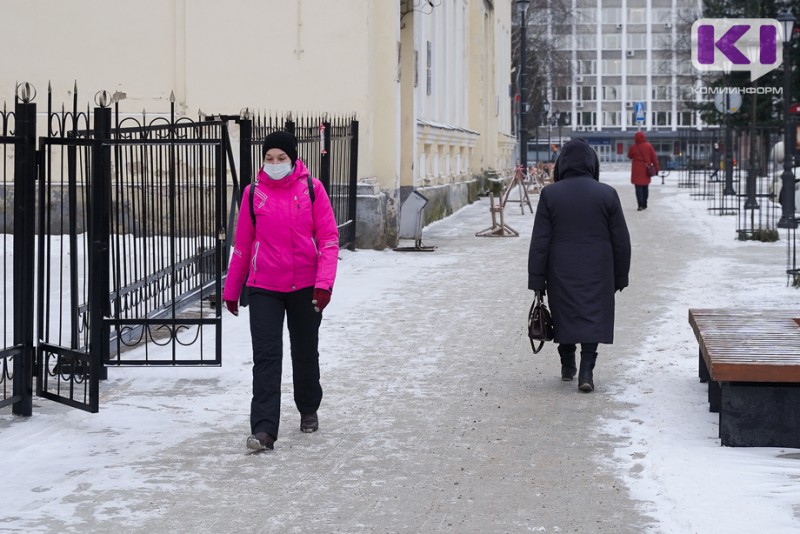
(641, 153)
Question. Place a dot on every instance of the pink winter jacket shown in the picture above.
(291, 247)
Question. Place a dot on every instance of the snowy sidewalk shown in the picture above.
(436, 416)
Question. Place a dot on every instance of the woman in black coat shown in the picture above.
(580, 254)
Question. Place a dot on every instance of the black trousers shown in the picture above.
(267, 310)
(642, 192)
(570, 348)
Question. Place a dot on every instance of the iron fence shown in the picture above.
(124, 224)
(328, 147)
(16, 356)
(734, 171)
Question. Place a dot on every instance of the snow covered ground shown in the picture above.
(166, 451)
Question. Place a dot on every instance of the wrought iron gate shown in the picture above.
(18, 139)
(131, 239)
(121, 228)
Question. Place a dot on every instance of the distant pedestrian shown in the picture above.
(580, 254)
(289, 245)
(716, 157)
(642, 153)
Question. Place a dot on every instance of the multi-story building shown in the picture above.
(616, 67)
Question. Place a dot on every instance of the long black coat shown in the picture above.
(580, 249)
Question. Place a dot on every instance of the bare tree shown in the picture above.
(548, 56)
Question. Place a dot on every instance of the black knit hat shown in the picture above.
(282, 140)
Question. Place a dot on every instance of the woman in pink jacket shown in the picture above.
(288, 258)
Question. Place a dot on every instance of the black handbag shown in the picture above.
(540, 324)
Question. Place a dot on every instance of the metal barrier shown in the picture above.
(127, 237)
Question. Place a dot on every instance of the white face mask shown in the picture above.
(276, 171)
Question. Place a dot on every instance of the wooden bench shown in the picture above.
(751, 361)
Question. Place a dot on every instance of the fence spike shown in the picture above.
(172, 96)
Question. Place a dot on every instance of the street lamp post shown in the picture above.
(556, 120)
(546, 107)
(787, 220)
(522, 9)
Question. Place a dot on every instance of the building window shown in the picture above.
(586, 41)
(637, 67)
(637, 41)
(661, 92)
(663, 15)
(429, 62)
(587, 92)
(611, 93)
(612, 15)
(636, 93)
(637, 15)
(612, 41)
(663, 66)
(661, 118)
(587, 66)
(416, 68)
(612, 67)
(586, 15)
(562, 93)
(586, 118)
(611, 118)
(686, 118)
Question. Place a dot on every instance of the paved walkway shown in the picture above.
(436, 418)
(440, 419)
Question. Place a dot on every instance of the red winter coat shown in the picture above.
(295, 243)
(641, 152)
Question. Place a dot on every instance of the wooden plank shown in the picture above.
(749, 345)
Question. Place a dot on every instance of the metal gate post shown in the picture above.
(24, 244)
(353, 186)
(99, 261)
(325, 157)
(245, 152)
(245, 179)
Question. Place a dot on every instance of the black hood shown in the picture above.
(576, 158)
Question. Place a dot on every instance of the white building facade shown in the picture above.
(427, 80)
(630, 69)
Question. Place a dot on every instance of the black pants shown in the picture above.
(642, 192)
(570, 348)
(267, 309)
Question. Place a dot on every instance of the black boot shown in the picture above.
(568, 368)
(585, 378)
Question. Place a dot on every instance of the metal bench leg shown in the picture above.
(702, 370)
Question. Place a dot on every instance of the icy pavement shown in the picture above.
(436, 417)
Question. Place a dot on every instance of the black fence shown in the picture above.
(734, 171)
(328, 147)
(17, 144)
(117, 232)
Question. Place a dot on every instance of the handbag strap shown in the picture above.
(536, 301)
(639, 148)
(536, 349)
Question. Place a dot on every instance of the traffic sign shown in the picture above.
(638, 111)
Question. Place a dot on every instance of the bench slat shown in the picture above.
(749, 345)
